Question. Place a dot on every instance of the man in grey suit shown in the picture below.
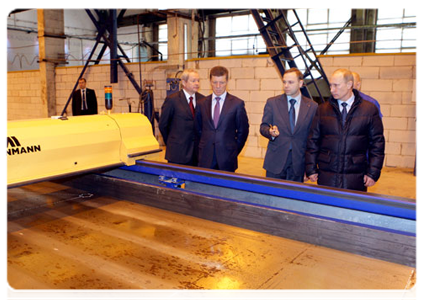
(177, 121)
(286, 122)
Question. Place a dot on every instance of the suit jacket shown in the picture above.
(276, 113)
(176, 125)
(91, 103)
(228, 139)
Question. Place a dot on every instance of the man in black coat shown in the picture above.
(221, 125)
(176, 122)
(285, 155)
(84, 101)
(345, 148)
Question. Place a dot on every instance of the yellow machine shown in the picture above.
(42, 149)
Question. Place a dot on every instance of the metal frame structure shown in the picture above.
(275, 28)
(106, 25)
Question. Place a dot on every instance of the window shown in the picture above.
(392, 35)
(238, 35)
(321, 26)
(163, 40)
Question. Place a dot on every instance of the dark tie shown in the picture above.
(344, 113)
(216, 114)
(84, 101)
(292, 114)
(191, 105)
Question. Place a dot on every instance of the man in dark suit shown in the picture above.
(84, 101)
(346, 145)
(286, 122)
(176, 122)
(221, 124)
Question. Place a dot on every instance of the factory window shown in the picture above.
(163, 40)
(321, 26)
(396, 32)
(238, 35)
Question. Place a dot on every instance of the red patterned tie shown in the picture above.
(191, 105)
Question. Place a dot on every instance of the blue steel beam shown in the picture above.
(360, 201)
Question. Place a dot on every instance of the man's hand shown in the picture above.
(313, 177)
(273, 130)
(368, 181)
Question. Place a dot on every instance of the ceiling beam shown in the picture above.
(10, 11)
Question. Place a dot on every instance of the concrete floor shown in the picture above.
(399, 182)
(60, 240)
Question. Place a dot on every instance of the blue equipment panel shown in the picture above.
(172, 85)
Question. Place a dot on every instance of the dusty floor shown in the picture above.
(58, 240)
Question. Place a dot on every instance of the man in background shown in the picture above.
(84, 100)
(357, 86)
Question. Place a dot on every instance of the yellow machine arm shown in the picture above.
(43, 149)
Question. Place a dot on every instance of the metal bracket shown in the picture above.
(171, 182)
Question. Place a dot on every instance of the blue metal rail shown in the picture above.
(359, 201)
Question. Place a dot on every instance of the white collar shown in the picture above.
(188, 95)
(349, 102)
(222, 97)
(297, 99)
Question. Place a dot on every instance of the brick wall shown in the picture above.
(253, 79)
(98, 76)
(388, 78)
(24, 96)
(123, 92)
(391, 80)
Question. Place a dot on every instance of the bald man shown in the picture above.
(345, 147)
(357, 86)
(177, 121)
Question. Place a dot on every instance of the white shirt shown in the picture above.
(296, 105)
(221, 101)
(193, 97)
(349, 102)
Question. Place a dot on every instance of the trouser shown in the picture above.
(287, 172)
(193, 162)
